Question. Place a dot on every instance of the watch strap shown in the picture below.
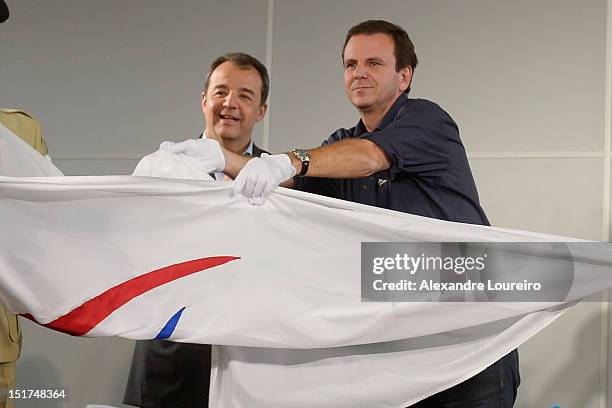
(303, 156)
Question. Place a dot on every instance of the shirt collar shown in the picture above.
(249, 149)
(247, 152)
(389, 117)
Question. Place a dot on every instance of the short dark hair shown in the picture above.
(242, 61)
(403, 49)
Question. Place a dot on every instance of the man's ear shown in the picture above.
(262, 111)
(203, 101)
(405, 77)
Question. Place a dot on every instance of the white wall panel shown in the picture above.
(556, 196)
(516, 76)
(118, 77)
(96, 167)
(561, 365)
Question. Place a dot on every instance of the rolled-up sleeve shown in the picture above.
(414, 149)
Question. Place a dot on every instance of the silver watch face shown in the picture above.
(302, 154)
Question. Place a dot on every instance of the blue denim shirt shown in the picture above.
(429, 174)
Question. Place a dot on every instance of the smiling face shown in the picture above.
(231, 105)
(370, 80)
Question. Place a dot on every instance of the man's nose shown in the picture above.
(230, 100)
(361, 71)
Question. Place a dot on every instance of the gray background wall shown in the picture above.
(528, 82)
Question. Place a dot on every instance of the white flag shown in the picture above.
(277, 286)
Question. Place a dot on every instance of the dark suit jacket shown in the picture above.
(165, 374)
(257, 152)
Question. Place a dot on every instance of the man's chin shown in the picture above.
(361, 103)
(228, 134)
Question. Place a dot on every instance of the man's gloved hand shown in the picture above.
(261, 176)
(203, 153)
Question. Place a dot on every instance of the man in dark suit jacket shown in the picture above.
(165, 374)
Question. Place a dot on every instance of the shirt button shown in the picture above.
(365, 187)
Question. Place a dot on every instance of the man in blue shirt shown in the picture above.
(428, 174)
(404, 154)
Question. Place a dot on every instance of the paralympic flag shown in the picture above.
(276, 287)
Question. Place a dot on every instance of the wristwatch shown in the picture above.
(304, 157)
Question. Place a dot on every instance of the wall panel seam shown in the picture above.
(604, 352)
(265, 142)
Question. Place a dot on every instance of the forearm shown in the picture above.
(344, 159)
(353, 158)
(234, 162)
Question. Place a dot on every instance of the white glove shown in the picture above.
(261, 176)
(206, 154)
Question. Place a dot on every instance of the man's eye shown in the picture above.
(219, 93)
(350, 65)
(246, 97)
(374, 63)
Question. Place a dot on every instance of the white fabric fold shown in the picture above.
(163, 163)
(19, 159)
